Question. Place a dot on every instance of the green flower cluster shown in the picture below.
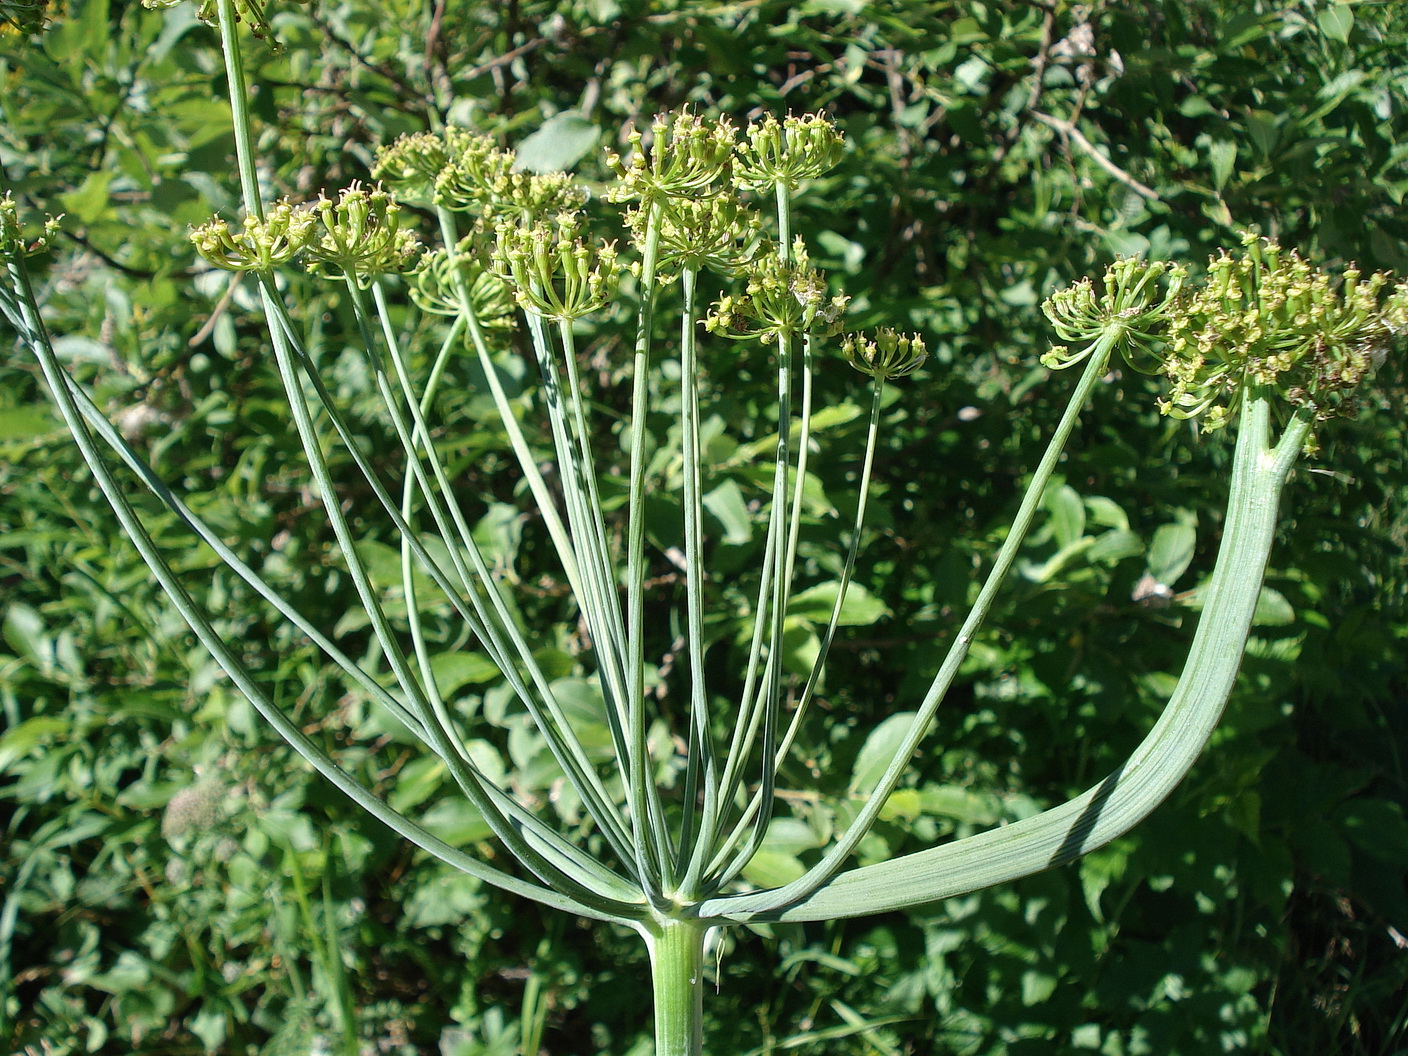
(1265, 318)
(685, 183)
(786, 152)
(1133, 307)
(358, 234)
(780, 298)
(15, 240)
(890, 355)
(466, 172)
(1261, 319)
(251, 12)
(718, 233)
(686, 158)
(435, 289)
(552, 272)
(262, 245)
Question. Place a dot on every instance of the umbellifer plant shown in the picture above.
(1262, 342)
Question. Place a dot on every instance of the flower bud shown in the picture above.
(359, 234)
(685, 159)
(411, 165)
(1133, 306)
(796, 149)
(261, 246)
(1267, 319)
(717, 233)
(779, 299)
(890, 355)
(552, 272)
(434, 289)
(14, 241)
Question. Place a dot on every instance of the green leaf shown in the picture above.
(1272, 609)
(1037, 986)
(877, 752)
(1171, 552)
(860, 609)
(1067, 514)
(1265, 130)
(1223, 156)
(1041, 573)
(418, 781)
(772, 869)
(1114, 546)
(826, 418)
(25, 632)
(726, 503)
(961, 804)
(28, 735)
(791, 836)
(564, 140)
(456, 822)
(800, 647)
(1107, 513)
(585, 707)
(24, 423)
(90, 200)
(1336, 22)
(1377, 827)
(903, 804)
(453, 671)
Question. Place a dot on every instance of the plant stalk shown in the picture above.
(677, 983)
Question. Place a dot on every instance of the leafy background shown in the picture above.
(175, 882)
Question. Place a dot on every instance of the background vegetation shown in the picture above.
(174, 881)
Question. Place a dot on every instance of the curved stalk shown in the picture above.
(1128, 795)
(527, 464)
(498, 629)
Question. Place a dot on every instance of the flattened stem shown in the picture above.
(1127, 796)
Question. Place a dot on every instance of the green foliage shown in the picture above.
(174, 881)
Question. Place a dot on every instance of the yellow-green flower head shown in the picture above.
(780, 299)
(434, 288)
(411, 165)
(262, 246)
(250, 12)
(14, 240)
(890, 355)
(552, 272)
(787, 152)
(718, 233)
(686, 158)
(1133, 306)
(1265, 318)
(518, 194)
(472, 178)
(360, 234)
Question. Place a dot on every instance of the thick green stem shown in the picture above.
(677, 982)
